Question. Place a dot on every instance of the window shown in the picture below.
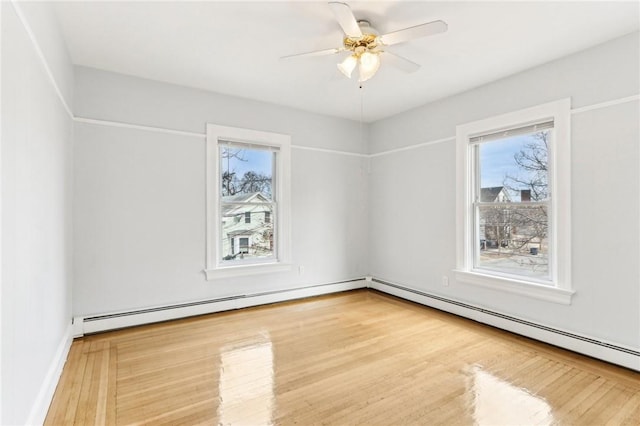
(246, 188)
(513, 202)
(512, 227)
(247, 179)
(244, 245)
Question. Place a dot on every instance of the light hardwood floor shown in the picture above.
(352, 358)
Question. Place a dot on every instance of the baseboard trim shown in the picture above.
(596, 348)
(40, 407)
(116, 320)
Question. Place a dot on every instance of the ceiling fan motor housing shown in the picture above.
(367, 42)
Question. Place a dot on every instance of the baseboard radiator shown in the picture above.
(123, 319)
(606, 351)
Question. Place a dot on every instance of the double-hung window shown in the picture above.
(514, 202)
(248, 185)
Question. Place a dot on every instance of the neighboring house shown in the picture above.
(494, 194)
(495, 226)
(515, 226)
(247, 227)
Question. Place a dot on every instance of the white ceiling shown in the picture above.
(234, 47)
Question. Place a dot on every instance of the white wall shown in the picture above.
(421, 183)
(139, 217)
(36, 210)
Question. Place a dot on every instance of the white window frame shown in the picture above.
(558, 289)
(281, 261)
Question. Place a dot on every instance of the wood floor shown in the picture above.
(351, 358)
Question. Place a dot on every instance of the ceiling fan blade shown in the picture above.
(422, 30)
(345, 18)
(314, 53)
(400, 62)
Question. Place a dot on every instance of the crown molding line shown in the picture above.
(109, 123)
(410, 147)
(195, 134)
(41, 57)
(580, 110)
(605, 104)
(330, 151)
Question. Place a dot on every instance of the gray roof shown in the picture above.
(247, 232)
(489, 195)
(244, 197)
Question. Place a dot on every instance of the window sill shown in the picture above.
(244, 270)
(520, 287)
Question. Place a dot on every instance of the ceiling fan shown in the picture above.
(367, 45)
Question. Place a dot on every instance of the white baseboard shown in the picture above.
(591, 346)
(597, 348)
(41, 405)
(97, 323)
(606, 351)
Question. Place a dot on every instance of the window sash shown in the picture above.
(244, 203)
(511, 131)
(272, 203)
(224, 143)
(547, 278)
(272, 223)
(249, 146)
(475, 204)
(511, 203)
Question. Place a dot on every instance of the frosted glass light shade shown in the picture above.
(348, 65)
(369, 64)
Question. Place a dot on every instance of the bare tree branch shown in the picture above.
(532, 161)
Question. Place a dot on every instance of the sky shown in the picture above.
(497, 159)
(257, 160)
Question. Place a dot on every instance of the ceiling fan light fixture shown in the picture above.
(347, 66)
(369, 64)
(366, 44)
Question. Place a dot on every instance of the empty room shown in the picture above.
(312, 212)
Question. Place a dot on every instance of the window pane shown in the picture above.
(242, 239)
(513, 239)
(514, 169)
(245, 172)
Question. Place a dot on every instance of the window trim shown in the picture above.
(217, 134)
(560, 290)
